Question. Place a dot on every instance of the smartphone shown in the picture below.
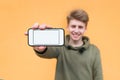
(47, 37)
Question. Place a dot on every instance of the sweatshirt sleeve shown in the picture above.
(97, 67)
(50, 52)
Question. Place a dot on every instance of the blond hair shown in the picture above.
(80, 15)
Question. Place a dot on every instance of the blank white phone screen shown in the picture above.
(44, 37)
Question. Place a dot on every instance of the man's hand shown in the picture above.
(41, 27)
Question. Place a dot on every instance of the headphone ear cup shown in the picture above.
(81, 50)
(68, 47)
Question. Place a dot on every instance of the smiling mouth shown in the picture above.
(75, 35)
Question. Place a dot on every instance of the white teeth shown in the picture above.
(75, 35)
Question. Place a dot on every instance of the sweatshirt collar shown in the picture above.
(85, 40)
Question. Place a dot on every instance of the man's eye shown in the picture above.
(80, 27)
(73, 26)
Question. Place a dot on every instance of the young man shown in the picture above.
(78, 59)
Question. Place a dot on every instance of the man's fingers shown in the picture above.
(26, 34)
(35, 26)
(48, 26)
(44, 26)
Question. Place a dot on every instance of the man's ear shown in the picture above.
(67, 28)
(85, 27)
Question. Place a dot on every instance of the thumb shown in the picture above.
(26, 34)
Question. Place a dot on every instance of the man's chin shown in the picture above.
(75, 39)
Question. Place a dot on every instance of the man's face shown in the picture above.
(76, 29)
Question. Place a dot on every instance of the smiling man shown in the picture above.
(78, 59)
(76, 30)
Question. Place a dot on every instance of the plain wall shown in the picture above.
(19, 62)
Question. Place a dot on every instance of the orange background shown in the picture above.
(17, 59)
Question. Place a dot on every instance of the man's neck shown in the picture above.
(76, 43)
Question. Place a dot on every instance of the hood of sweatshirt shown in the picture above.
(86, 43)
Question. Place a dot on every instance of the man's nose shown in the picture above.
(76, 29)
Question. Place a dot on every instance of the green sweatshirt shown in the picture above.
(75, 63)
